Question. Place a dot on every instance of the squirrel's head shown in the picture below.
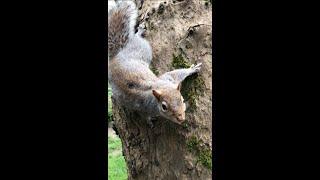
(170, 103)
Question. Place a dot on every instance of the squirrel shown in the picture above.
(132, 81)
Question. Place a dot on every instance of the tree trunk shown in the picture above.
(180, 34)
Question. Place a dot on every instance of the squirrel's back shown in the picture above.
(129, 53)
(129, 58)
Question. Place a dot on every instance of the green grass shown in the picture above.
(109, 104)
(117, 169)
(114, 144)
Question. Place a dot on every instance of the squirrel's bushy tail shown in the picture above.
(121, 21)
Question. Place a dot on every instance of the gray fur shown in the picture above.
(129, 75)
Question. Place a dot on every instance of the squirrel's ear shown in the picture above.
(179, 87)
(156, 94)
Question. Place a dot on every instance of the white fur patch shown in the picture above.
(111, 4)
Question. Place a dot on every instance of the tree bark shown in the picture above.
(180, 34)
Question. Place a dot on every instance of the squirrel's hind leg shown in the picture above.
(145, 49)
(141, 49)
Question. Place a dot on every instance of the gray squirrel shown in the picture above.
(133, 84)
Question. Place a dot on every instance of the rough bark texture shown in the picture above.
(180, 34)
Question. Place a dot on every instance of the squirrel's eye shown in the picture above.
(164, 106)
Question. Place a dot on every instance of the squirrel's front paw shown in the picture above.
(196, 68)
(150, 122)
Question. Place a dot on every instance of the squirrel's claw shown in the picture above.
(196, 68)
(141, 29)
